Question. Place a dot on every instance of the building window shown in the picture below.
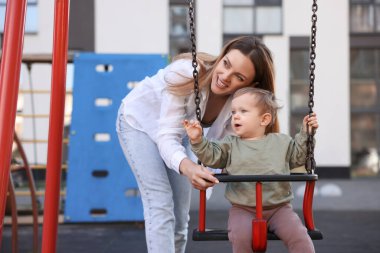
(365, 16)
(258, 17)
(299, 81)
(31, 16)
(364, 87)
(178, 27)
(82, 27)
(365, 111)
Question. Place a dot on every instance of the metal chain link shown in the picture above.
(197, 99)
(310, 162)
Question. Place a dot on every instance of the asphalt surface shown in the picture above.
(343, 231)
(347, 213)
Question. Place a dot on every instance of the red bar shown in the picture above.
(202, 211)
(57, 106)
(9, 82)
(259, 201)
(259, 225)
(308, 205)
(259, 235)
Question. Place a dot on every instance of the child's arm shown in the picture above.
(297, 148)
(211, 154)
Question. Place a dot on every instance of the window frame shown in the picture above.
(176, 40)
(298, 44)
(365, 42)
(3, 3)
(376, 22)
(255, 4)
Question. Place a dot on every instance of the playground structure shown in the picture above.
(260, 233)
(9, 83)
(56, 121)
(107, 66)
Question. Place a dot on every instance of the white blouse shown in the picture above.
(151, 108)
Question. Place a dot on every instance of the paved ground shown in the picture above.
(347, 212)
(344, 232)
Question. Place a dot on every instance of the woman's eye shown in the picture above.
(240, 79)
(225, 63)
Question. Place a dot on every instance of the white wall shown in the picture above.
(142, 26)
(279, 47)
(332, 84)
(132, 26)
(297, 16)
(209, 27)
(42, 42)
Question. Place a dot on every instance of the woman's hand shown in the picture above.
(311, 122)
(194, 130)
(200, 177)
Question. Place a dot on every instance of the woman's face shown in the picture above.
(233, 72)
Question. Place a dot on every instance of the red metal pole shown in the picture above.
(259, 200)
(9, 82)
(259, 225)
(57, 106)
(202, 211)
(308, 205)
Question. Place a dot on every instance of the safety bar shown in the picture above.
(266, 178)
(203, 234)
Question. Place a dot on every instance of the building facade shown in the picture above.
(347, 60)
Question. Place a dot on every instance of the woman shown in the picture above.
(150, 131)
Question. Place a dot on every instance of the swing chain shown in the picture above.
(194, 61)
(310, 162)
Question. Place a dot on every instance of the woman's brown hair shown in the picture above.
(250, 46)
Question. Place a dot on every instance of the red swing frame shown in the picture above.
(260, 235)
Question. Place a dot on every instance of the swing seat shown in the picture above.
(222, 235)
(204, 234)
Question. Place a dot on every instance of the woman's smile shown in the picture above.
(221, 84)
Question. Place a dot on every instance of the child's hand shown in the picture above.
(311, 122)
(193, 130)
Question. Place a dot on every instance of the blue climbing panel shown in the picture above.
(100, 184)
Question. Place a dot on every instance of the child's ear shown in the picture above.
(266, 118)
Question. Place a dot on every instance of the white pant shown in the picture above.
(165, 194)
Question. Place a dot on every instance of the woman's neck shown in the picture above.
(217, 99)
(214, 106)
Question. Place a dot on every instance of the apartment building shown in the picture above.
(347, 63)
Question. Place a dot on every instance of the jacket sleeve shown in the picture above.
(173, 111)
(297, 150)
(213, 154)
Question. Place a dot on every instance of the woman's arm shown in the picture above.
(170, 135)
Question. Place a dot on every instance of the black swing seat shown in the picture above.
(222, 235)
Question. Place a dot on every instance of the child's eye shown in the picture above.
(233, 112)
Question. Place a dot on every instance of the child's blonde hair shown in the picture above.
(266, 101)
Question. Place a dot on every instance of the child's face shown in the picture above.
(247, 119)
